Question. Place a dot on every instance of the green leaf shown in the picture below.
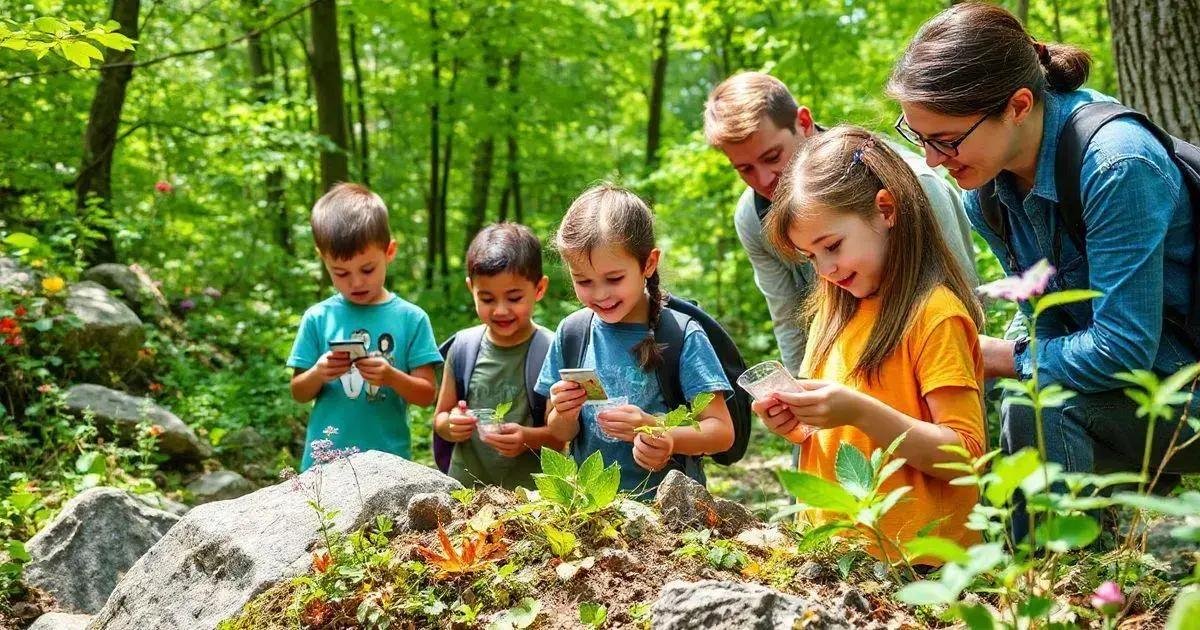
(1180, 379)
(91, 462)
(562, 543)
(79, 53)
(115, 41)
(590, 471)
(853, 471)
(16, 551)
(1034, 607)
(42, 325)
(1186, 532)
(557, 464)
(1059, 298)
(22, 501)
(49, 25)
(1008, 472)
(943, 549)
(976, 616)
(925, 593)
(554, 489)
(592, 615)
(604, 491)
(518, 617)
(890, 469)
(817, 492)
(502, 410)
(817, 535)
(21, 240)
(1186, 504)
(1064, 533)
(1185, 614)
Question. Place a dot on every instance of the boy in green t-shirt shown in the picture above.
(504, 275)
(364, 398)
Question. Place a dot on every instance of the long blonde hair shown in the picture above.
(842, 170)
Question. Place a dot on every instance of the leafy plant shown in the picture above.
(592, 615)
(476, 551)
(518, 617)
(502, 410)
(576, 492)
(680, 416)
(67, 38)
(718, 552)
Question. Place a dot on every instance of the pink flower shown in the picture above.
(212, 292)
(163, 186)
(1108, 599)
(187, 305)
(1030, 284)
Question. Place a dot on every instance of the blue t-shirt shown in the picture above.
(610, 348)
(366, 416)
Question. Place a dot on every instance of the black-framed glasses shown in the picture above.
(948, 148)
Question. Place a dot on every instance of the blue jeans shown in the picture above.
(1098, 433)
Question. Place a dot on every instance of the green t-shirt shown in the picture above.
(498, 377)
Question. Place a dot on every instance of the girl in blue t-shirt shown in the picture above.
(606, 240)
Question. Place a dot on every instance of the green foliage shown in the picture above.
(577, 493)
(67, 38)
(717, 552)
(680, 416)
(592, 615)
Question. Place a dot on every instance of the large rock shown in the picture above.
(81, 554)
(713, 605)
(220, 555)
(61, 621)
(15, 278)
(685, 504)
(109, 327)
(120, 414)
(220, 485)
(134, 287)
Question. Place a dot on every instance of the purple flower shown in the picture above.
(330, 431)
(212, 292)
(323, 451)
(1030, 284)
(187, 305)
(288, 474)
(1108, 599)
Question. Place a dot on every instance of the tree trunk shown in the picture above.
(326, 68)
(447, 160)
(431, 203)
(654, 127)
(364, 153)
(260, 84)
(485, 152)
(1156, 44)
(99, 140)
(1023, 11)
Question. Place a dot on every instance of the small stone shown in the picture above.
(496, 497)
(61, 621)
(814, 571)
(26, 611)
(429, 509)
(855, 601)
(763, 539)
(734, 517)
(618, 561)
(640, 519)
(685, 504)
(220, 485)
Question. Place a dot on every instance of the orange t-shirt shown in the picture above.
(940, 349)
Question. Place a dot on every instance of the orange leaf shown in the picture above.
(321, 561)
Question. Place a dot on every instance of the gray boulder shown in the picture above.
(159, 502)
(61, 621)
(133, 286)
(428, 510)
(81, 554)
(640, 519)
(119, 413)
(109, 327)
(219, 486)
(713, 605)
(685, 504)
(15, 278)
(220, 555)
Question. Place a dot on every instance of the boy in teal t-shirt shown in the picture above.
(364, 399)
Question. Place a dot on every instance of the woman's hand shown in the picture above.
(653, 453)
(620, 422)
(822, 404)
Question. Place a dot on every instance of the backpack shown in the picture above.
(672, 323)
(1080, 128)
(462, 350)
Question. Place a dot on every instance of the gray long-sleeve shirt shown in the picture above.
(785, 284)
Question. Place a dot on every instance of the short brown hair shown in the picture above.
(347, 219)
(505, 247)
(736, 107)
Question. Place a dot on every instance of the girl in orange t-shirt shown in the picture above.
(894, 343)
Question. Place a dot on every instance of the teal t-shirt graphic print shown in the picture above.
(365, 416)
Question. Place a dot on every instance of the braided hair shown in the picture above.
(606, 215)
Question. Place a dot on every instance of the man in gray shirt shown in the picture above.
(755, 121)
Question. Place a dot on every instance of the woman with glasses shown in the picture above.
(990, 103)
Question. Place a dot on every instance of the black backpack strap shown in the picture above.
(539, 347)
(461, 349)
(762, 206)
(575, 333)
(996, 218)
(670, 333)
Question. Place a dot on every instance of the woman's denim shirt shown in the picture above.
(1139, 253)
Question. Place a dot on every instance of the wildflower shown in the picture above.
(330, 431)
(187, 305)
(20, 311)
(156, 387)
(163, 186)
(1108, 599)
(9, 326)
(15, 341)
(155, 430)
(321, 561)
(212, 292)
(45, 388)
(1030, 284)
(53, 285)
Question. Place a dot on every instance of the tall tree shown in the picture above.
(1157, 48)
(658, 85)
(260, 87)
(512, 187)
(326, 65)
(364, 151)
(100, 138)
(432, 201)
(485, 151)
